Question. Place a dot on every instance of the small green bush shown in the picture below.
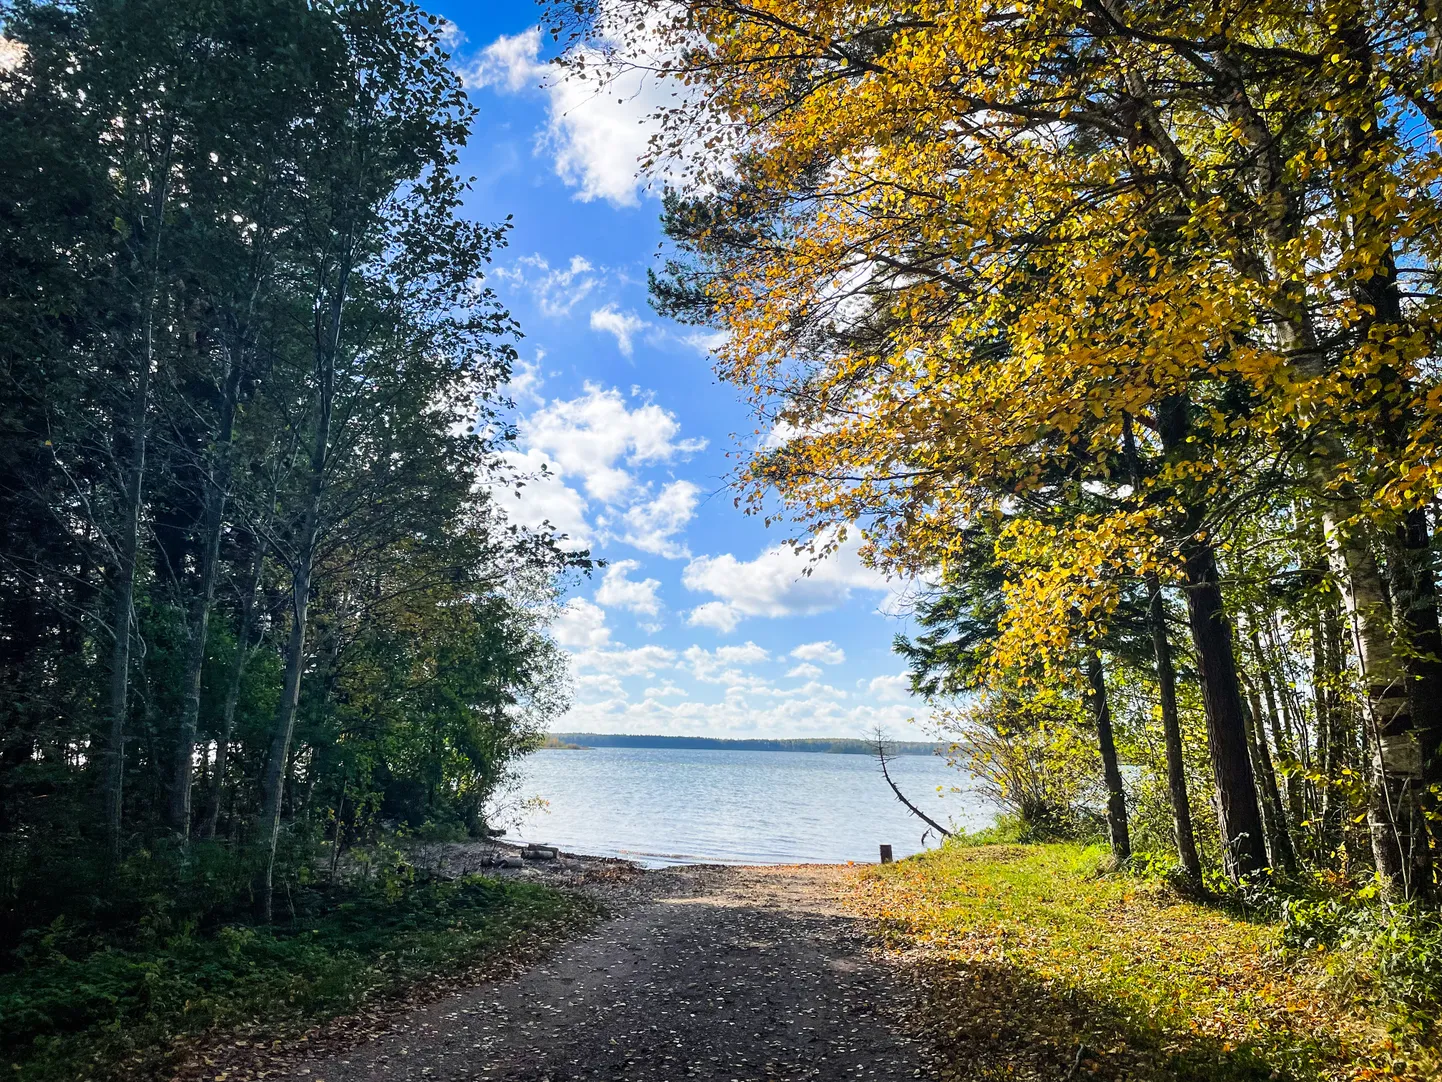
(1011, 828)
(1398, 948)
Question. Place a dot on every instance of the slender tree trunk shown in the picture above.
(1301, 791)
(123, 615)
(1266, 805)
(1332, 735)
(273, 781)
(1274, 816)
(1191, 863)
(1322, 712)
(878, 739)
(1117, 828)
(217, 490)
(278, 761)
(1172, 734)
(339, 822)
(1274, 723)
(232, 690)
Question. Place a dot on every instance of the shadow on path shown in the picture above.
(992, 1021)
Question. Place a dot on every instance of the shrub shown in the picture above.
(1031, 757)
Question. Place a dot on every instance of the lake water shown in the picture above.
(669, 806)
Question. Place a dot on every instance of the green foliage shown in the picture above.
(253, 418)
(73, 1002)
(1031, 952)
(1009, 828)
(1396, 951)
(1031, 756)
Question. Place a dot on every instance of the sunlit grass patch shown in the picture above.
(1036, 964)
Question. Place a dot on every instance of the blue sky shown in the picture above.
(703, 623)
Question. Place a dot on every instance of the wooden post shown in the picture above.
(886, 854)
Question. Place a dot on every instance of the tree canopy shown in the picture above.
(255, 588)
(1114, 306)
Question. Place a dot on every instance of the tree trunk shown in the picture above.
(278, 761)
(217, 491)
(340, 822)
(1394, 812)
(1240, 819)
(1301, 796)
(1274, 723)
(1172, 734)
(1410, 651)
(1274, 816)
(1191, 863)
(1333, 741)
(1414, 603)
(123, 614)
(232, 691)
(1117, 828)
(273, 781)
(1238, 813)
(1399, 842)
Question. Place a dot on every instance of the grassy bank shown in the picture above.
(1036, 965)
(77, 1007)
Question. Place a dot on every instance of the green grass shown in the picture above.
(1033, 960)
(75, 1008)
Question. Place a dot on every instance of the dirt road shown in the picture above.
(711, 973)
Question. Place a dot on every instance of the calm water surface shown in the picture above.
(669, 806)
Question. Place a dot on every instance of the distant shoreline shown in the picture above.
(815, 745)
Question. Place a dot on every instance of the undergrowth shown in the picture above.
(1038, 962)
(1392, 955)
(76, 1003)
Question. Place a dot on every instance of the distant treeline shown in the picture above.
(832, 746)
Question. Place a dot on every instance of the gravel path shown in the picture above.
(709, 973)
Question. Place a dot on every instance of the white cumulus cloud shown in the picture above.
(597, 131)
(815, 710)
(748, 653)
(890, 689)
(595, 436)
(618, 591)
(652, 524)
(642, 661)
(511, 62)
(546, 498)
(584, 456)
(779, 582)
(724, 665)
(826, 652)
(524, 386)
(714, 614)
(581, 625)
